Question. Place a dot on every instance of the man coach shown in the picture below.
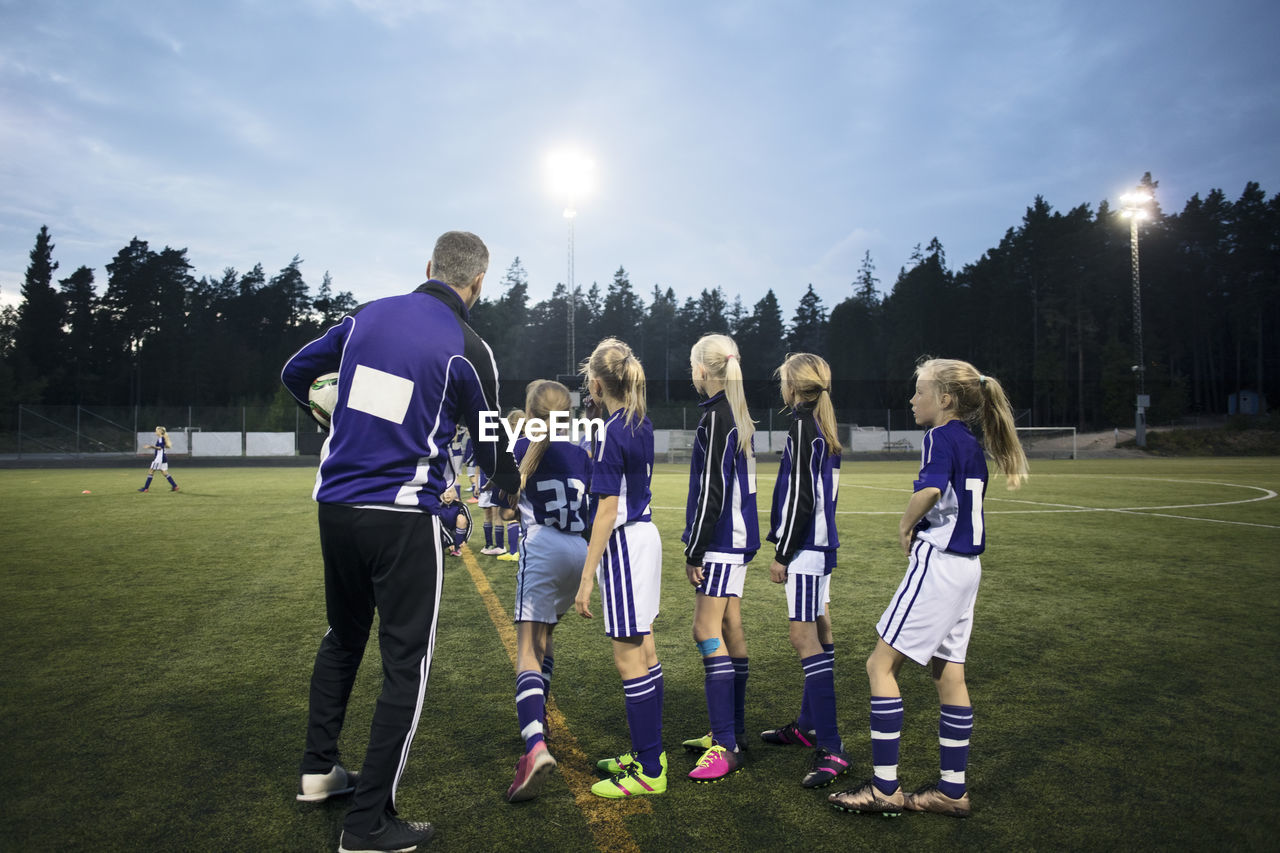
(410, 369)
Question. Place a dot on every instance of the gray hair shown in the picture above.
(459, 256)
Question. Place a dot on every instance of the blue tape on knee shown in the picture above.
(708, 646)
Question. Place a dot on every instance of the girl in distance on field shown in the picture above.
(930, 618)
(508, 516)
(160, 462)
(497, 517)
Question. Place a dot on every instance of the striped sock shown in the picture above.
(719, 687)
(513, 537)
(548, 667)
(488, 534)
(804, 722)
(147, 484)
(530, 707)
(886, 734)
(644, 718)
(655, 672)
(820, 691)
(740, 673)
(497, 536)
(955, 725)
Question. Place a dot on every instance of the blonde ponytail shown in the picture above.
(718, 355)
(542, 397)
(622, 376)
(1000, 434)
(981, 402)
(808, 377)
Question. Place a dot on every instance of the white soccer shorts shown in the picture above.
(931, 614)
(630, 579)
(808, 587)
(549, 573)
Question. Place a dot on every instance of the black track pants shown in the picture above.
(389, 561)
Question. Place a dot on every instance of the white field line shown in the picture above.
(1045, 507)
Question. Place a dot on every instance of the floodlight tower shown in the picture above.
(1135, 206)
(571, 179)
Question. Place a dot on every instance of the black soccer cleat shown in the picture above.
(394, 836)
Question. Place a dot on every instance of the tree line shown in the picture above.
(1049, 310)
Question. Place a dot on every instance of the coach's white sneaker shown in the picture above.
(318, 787)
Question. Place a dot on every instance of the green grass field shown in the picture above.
(156, 651)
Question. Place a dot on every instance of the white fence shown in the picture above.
(671, 444)
(198, 443)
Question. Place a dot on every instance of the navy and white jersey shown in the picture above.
(720, 521)
(410, 369)
(623, 466)
(456, 449)
(161, 449)
(556, 493)
(951, 461)
(803, 517)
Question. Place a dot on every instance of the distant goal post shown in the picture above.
(1048, 442)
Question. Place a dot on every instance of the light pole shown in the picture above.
(569, 215)
(1134, 207)
(571, 178)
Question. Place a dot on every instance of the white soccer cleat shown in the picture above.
(318, 787)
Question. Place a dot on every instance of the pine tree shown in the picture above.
(38, 351)
(762, 339)
(622, 312)
(809, 325)
(81, 302)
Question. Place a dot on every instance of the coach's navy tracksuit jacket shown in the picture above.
(396, 414)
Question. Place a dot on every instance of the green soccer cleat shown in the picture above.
(631, 782)
(699, 744)
(614, 766)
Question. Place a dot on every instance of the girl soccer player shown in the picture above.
(455, 521)
(553, 484)
(160, 462)
(930, 618)
(721, 535)
(803, 526)
(507, 516)
(625, 553)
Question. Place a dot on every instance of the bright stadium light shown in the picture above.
(1135, 206)
(572, 176)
